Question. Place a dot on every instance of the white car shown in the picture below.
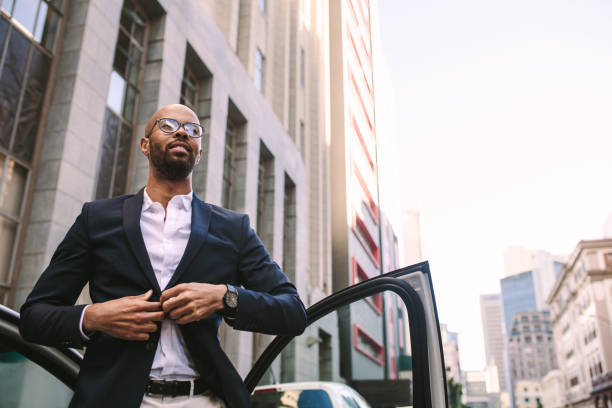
(307, 394)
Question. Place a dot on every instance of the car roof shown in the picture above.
(326, 385)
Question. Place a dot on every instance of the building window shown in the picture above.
(122, 102)
(608, 260)
(27, 42)
(573, 381)
(366, 239)
(359, 275)
(368, 345)
(265, 197)
(262, 6)
(302, 67)
(229, 164)
(289, 229)
(189, 89)
(302, 140)
(259, 70)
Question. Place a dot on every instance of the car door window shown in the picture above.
(379, 337)
(364, 345)
(25, 384)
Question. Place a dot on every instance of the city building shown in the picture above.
(581, 312)
(553, 390)
(283, 93)
(81, 78)
(527, 394)
(475, 393)
(531, 349)
(518, 295)
(450, 347)
(492, 329)
(544, 265)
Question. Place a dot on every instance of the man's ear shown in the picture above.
(145, 146)
(199, 157)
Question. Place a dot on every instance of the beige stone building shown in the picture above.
(581, 314)
(527, 394)
(82, 77)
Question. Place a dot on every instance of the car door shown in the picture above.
(380, 336)
(32, 375)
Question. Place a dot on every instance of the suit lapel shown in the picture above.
(132, 208)
(200, 221)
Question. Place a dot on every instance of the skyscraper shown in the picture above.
(518, 295)
(492, 321)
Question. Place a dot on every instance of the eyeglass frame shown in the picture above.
(180, 125)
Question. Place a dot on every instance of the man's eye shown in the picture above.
(165, 126)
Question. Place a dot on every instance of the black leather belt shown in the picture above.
(174, 388)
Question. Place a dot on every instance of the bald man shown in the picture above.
(163, 268)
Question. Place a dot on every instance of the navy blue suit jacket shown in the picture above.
(105, 248)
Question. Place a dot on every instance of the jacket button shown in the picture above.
(149, 346)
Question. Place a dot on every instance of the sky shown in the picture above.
(495, 119)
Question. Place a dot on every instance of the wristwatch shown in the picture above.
(230, 301)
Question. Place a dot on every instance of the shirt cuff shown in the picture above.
(83, 335)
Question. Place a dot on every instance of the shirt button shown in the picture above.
(149, 346)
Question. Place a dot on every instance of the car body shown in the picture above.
(306, 394)
(52, 372)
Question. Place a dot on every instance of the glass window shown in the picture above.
(229, 165)
(25, 384)
(302, 67)
(27, 41)
(258, 77)
(122, 102)
(357, 351)
(262, 5)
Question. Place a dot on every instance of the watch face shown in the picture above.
(231, 298)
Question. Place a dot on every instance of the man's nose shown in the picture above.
(181, 133)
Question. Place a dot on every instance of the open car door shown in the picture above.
(380, 336)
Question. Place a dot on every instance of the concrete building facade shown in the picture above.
(581, 312)
(81, 78)
(531, 349)
(282, 92)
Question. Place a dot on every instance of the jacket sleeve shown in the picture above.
(49, 315)
(268, 302)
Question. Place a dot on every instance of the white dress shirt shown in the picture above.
(166, 241)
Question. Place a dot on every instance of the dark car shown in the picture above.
(393, 360)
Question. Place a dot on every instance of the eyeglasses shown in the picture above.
(169, 125)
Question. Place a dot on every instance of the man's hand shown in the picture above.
(190, 302)
(128, 318)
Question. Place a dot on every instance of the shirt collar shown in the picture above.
(182, 201)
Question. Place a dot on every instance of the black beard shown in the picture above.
(169, 167)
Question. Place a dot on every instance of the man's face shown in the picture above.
(174, 155)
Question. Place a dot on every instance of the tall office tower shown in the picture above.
(450, 346)
(356, 219)
(492, 329)
(411, 249)
(545, 267)
(518, 295)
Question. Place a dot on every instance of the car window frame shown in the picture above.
(392, 281)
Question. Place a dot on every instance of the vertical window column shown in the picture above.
(122, 102)
(265, 197)
(28, 32)
(289, 229)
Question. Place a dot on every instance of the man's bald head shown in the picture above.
(173, 111)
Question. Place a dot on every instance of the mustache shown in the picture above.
(179, 143)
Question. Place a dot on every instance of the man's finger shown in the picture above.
(144, 306)
(174, 302)
(145, 295)
(178, 312)
(172, 292)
